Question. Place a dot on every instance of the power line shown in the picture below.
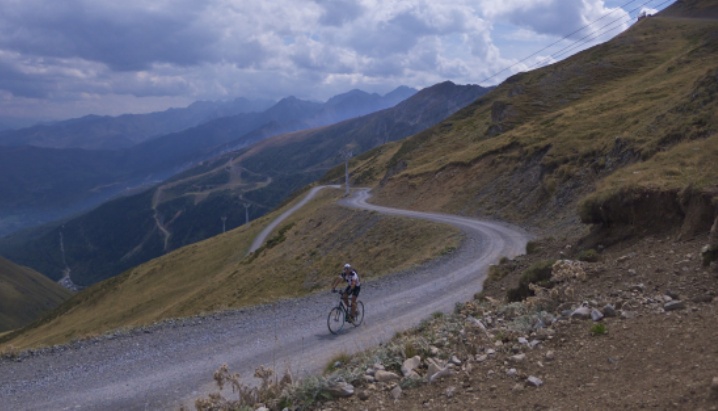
(571, 34)
(590, 37)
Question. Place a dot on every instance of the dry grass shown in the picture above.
(648, 98)
(215, 274)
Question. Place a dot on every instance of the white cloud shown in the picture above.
(184, 50)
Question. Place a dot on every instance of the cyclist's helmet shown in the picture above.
(347, 265)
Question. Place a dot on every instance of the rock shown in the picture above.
(395, 392)
(674, 305)
(714, 387)
(517, 387)
(609, 310)
(583, 313)
(434, 366)
(476, 323)
(385, 376)
(639, 288)
(413, 376)
(518, 358)
(672, 294)
(627, 315)
(523, 341)
(512, 372)
(410, 364)
(482, 358)
(534, 381)
(341, 389)
(450, 392)
(596, 315)
(363, 395)
(440, 374)
(550, 356)
(623, 258)
(434, 351)
(262, 408)
(379, 366)
(490, 352)
(455, 360)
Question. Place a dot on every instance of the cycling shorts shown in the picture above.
(348, 290)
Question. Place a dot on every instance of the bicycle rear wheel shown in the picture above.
(359, 318)
(335, 321)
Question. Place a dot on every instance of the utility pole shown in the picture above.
(347, 156)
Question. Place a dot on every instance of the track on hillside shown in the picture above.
(169, 365)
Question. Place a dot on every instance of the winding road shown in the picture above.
(167, 366)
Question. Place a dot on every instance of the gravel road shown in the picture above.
(168, 365)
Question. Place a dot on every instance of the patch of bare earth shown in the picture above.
(659, 351)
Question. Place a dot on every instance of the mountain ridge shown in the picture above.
(40, 178)
(203, 201)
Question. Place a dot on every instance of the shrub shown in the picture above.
(336, 362)
(532, 247)
(590, 256)
(539, 273)
(599, 329)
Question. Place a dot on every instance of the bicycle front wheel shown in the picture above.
(335, 321)
(359, 317)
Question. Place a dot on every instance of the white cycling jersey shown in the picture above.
(351, 276)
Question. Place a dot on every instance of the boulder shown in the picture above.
(534, 381)
(385, 376)
(583, 313)
(410, 365)
(674, 305)
(340, 390)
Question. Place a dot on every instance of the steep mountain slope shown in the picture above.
(48, 184)
(212, 197)
(108, 133)
(25, 295)
(622, 136)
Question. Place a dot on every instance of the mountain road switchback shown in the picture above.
(168, 365)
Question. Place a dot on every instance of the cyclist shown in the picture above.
(353, 287)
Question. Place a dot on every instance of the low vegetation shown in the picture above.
(306, 252)
(25, 296)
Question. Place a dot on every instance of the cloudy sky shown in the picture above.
(63, 59)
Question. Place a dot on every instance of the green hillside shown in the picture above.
(621, 136)
(304, 255)
(25, 295)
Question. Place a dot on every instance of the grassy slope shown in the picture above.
(25, 295)
(533, 148)
(212, 275)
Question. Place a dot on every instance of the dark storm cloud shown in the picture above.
(123, 38)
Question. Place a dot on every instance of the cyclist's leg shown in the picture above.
(355, 294)
(345, 296)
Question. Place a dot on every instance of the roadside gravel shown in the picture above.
(169, 364)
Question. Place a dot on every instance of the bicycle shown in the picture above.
(341, 314)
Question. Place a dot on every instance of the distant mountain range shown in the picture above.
(205, 200)
(41, 184)
(108, 133)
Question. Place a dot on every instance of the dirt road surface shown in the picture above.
(168, 365)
